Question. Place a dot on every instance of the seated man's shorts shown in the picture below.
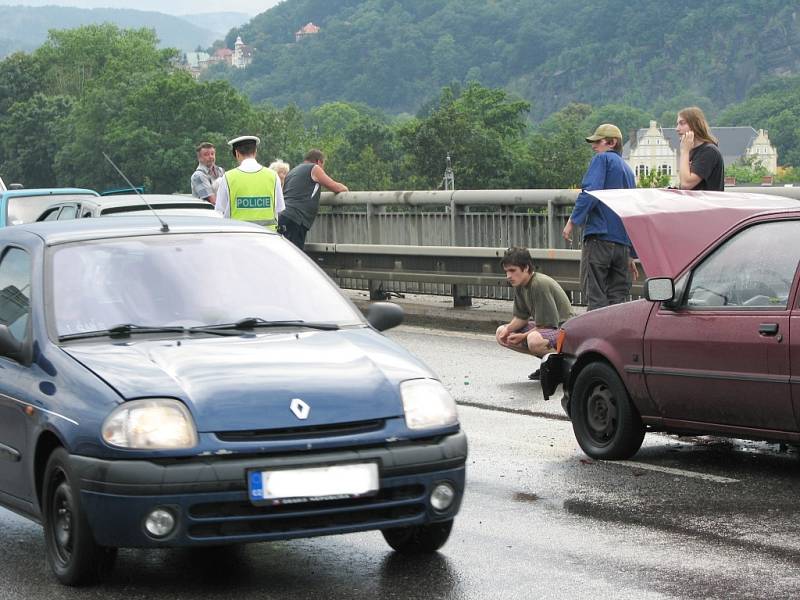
(548, 333)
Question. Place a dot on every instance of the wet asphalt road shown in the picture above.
(686, 518)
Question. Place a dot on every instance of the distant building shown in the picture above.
(223, 55)
(656, 148)
(196, 62)
(242, 54)
(305, 31)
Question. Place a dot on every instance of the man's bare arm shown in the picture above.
(319, 175)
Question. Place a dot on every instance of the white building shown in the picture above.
(242, 54)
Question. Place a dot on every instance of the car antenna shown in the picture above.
(164, 226)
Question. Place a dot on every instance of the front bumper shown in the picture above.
(208, 495)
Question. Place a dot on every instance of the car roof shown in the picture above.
(75, 230)
(670, 228)
(49, 191)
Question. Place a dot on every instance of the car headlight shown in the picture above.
(154, 424)
(427, 404)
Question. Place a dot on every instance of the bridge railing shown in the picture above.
(447, 242)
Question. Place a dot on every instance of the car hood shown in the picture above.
(248, 382)
(670, 228)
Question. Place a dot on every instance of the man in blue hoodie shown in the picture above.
(607, 265)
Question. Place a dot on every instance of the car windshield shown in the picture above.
(189, 280)
(26, 209)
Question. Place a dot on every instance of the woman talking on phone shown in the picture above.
(700, 165)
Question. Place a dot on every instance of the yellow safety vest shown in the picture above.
(252, 196)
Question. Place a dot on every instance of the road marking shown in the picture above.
(679, 472)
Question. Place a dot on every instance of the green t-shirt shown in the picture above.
(543, 301)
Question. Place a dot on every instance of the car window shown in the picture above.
(753, 269)
(50, 214)
(189, 280)
(68, 212)
(15, 291)
(27, 209)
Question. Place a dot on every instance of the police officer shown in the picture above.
(251, 192)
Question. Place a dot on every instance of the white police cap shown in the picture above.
(244, 138)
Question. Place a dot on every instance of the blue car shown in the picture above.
(25, 205)
(202, 382)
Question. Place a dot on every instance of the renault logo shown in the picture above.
(300, 409)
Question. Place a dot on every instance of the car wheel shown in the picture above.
(420, 539)
(71, 551)
(605, 422)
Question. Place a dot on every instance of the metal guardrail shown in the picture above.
(464, 270)
(449, 242)
(480, 218)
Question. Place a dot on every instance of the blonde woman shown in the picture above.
(700, 166)
(281, 168)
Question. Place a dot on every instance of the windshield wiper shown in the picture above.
(258, 322)
(122, 330)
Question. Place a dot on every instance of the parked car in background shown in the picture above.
(207, 385)
(715, 346)
(117, 204)
(25, 205)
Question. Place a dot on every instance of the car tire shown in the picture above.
(606, 424)
(70, 548)
(420, 539)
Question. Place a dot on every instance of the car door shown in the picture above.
(15, 312)
(722, 355)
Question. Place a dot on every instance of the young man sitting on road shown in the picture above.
(540, 307)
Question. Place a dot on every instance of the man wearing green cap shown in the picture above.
(251, 192)
(607, 266)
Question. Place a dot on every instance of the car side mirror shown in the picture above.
(9, 345)
(659, 289)
(384, 315)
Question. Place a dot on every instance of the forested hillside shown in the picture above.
(98, 88)
(397, 54)
(25, 28)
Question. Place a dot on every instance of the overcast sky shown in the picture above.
(173, 7)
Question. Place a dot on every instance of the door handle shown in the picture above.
(768, 329)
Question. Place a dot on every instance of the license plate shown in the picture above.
(309, 484)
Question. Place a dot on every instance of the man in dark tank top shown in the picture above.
(301, 192)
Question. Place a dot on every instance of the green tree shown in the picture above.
(285, 135)
(20, 79)
(480, 129)
(559, 150)
(29, 139)
(74, 60)
(774, 106)
(653, 179)
(627, 118)
(747, 170)
(153, 134)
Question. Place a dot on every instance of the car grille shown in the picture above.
(241, 518)
(291, 433)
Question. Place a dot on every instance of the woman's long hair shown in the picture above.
(696, 120)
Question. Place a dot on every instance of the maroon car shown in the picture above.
(715, 347)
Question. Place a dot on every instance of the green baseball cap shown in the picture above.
(606, 130)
